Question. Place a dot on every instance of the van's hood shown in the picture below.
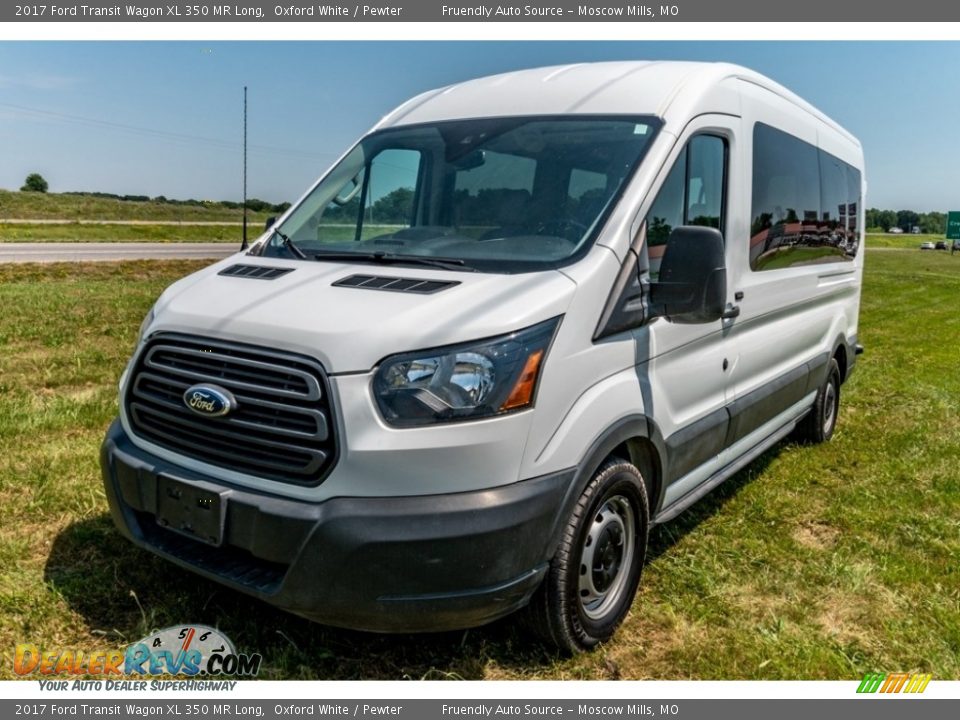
(352, 329)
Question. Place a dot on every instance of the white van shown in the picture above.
(523, 320)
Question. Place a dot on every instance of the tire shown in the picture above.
(577, 607)
(818, 425)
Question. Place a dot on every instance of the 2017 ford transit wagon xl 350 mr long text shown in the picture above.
(521, 321)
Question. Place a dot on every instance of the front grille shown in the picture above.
(282, 427)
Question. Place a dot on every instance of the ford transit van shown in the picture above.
(523, 320)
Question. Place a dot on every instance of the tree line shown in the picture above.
(35, 182)
(931, 223)
(253, 204)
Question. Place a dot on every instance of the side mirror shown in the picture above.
(271, 221)
(692, 285)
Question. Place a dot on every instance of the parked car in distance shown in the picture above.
(927, 245)
(941, 245)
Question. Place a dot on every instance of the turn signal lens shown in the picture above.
(522, 393)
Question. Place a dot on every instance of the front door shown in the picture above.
(686, 388)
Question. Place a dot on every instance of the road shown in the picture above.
(79, 252)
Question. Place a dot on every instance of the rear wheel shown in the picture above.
(593, 577)
(821, 421)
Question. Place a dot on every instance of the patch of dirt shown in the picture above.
(856, 617)
(841, 617)
(816, 536)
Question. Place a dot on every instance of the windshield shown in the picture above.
(495, 194)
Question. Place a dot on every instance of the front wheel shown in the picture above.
(593, 577)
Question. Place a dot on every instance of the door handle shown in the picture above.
(731, 312)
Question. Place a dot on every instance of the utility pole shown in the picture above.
(243, 245)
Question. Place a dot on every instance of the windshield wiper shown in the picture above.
(393, 259)
(290, 245)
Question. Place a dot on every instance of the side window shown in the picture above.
(786, 199)
(667, 210)
(390, 192)
(705, 177)
(693, 192)
(853, 209)
(801, 203)
(833, 202)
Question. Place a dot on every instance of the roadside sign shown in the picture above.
(953, 225)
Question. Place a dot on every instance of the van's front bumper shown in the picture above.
(390, 564)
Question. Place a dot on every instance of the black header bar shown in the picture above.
(670, 11)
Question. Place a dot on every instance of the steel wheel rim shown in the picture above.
(606, 557)
(829, 408)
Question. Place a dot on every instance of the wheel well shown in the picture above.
(642, 454)
(840, 355)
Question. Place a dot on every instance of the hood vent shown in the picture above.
(255, 272)
(395, 284)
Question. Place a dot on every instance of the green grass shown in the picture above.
(75, 232)
(904, 241)
(58, 206)
(814, 562)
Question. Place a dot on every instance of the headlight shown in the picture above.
(145, 324)
(463, 382)
(140, 333)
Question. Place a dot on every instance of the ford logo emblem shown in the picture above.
(211, 401)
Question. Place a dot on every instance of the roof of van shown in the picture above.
(637, 88)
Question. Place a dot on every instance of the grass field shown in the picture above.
(904, 241)
(155, 233)
(75, 232)
(59, 206)
(814, 562)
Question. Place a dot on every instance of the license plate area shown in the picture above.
(195, 510)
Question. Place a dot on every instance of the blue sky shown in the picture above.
(165, 118)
